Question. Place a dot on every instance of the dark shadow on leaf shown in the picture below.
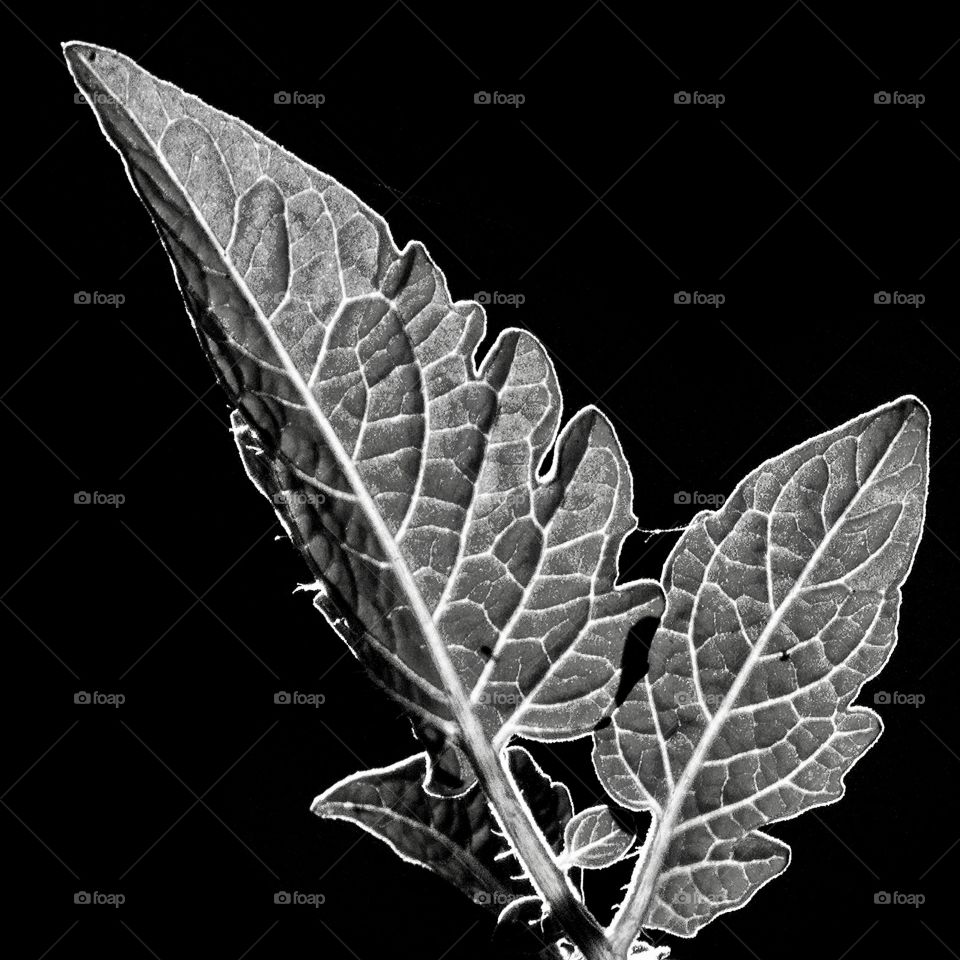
(635, 662)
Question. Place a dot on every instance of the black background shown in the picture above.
(596, 200)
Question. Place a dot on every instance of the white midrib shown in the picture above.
(456, 852)
(570, 859)
(530, 844)
(625, 925)
(435, 643)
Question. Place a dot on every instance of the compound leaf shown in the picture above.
(780, 606)
(458, 837)
(412, 479)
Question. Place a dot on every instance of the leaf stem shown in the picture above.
(517, 822)
(525, 837)
(528, 842)
(489, 765)
(628, 922)
(533, 851)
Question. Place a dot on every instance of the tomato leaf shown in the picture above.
(412, 478)
(457, 838)
(780, 606)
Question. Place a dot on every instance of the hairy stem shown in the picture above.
(511, 810)
(527, 841)
(517, 823)
(628, 922)
(489, 765)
